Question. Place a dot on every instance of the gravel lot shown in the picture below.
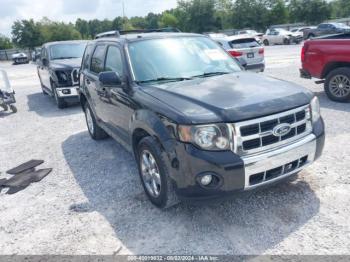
(93, 203)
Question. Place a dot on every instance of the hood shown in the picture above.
(19, 55)
(66, 63)
(230, 98)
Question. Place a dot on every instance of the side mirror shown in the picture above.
(45, 62)
(109, 79)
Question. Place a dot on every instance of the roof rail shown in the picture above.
(117, 33)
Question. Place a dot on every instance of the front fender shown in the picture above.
(155, 126)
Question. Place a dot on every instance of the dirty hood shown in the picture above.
(230, 98)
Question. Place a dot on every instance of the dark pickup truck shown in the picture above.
(198, 125)
(328, 59)
(326, 29)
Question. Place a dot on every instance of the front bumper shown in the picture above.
(239, 174)
(68, 92)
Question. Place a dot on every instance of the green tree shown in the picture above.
(278, 12)
(152, 20)
(340, 8)
(197, 15)
(309, 11)
(83, 27)
(57, 31)
(5, 42)
(26, 33)
(167, 20)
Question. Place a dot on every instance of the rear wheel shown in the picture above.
(154, 173)
(337, 85)
(95, 131)
(266, 42)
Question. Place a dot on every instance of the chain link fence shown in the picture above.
(7, 54)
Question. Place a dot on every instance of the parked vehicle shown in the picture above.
(279, 36)
(20, 58)
(198, 126)
(258, 36)
(328, 59)
(58, 70)
(246, 49)
(7, 94)
(326, 29)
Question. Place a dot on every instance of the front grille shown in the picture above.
(274, 173)
(257, 135)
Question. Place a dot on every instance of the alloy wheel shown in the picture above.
(339, 86)
(150, 173)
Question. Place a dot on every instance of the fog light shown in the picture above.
(206, 180)
(66, 91)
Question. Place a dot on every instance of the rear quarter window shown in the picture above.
(244, 43)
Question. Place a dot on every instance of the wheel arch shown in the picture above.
(333, 65)
(147, 123)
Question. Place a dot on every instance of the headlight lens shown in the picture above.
(207, 137)
(315, 109)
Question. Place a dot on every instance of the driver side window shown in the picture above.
(114, 61)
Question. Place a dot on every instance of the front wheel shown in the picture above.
(286, 41)
(337, 85)
(13, 109)
(266, 42)
(154, 173)
(59, 100)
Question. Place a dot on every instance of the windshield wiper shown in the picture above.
(66, 57)
(167, 79)
(211, 74)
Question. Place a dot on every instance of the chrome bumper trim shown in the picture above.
(279, 157)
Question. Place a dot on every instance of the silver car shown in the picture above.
(246, 49)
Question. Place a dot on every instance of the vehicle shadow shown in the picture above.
(325, 102)
(45, 106)
(246, 224)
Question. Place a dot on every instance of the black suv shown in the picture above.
(198, 125)
(58, 70)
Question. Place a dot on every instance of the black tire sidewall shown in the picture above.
(151, 145)
(266, 42)
(59, 101)
(339, 71)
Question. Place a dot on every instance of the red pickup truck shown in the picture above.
(328, 59)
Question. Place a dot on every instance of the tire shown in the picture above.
(59, 101)
(13, 109)
(286, 41)
(95, 131)
(337, 85)
(310, 36)
(266, 42)
(164, 196)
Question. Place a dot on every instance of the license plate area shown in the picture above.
(250, 55)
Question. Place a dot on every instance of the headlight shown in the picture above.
(207, 137)
(62, 76)
(315, 109)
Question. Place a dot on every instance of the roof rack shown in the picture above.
(117, 33)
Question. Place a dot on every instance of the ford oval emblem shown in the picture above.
(282, 130)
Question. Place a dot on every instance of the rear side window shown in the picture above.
(87, 56)
(244, 43)
(97, 60)
(114, 60)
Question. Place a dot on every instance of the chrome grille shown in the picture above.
(257, 135)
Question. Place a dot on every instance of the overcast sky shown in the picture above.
(70, 10)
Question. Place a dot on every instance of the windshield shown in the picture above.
(179, 58)
(67, 51)
(341, 25)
